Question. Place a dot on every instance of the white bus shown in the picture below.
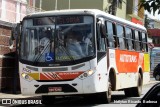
(81, 52)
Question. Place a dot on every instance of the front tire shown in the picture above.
(107, 95)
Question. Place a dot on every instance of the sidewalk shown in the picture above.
(18, 96)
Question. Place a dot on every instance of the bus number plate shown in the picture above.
(55, 89)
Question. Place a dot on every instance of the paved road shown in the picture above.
(81, 102)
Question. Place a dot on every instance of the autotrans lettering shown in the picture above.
(128, 58)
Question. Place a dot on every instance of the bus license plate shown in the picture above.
(55, 89)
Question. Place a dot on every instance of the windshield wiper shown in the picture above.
(39, 56)
(63, 49)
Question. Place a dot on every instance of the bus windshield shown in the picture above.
(57, 39)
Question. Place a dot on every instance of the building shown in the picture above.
(133, 13)
(155, 52)
(155, 35)
(80, 4)
(31, 7)
(11, 11)
(154, 23)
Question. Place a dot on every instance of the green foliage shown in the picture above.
(151, 5)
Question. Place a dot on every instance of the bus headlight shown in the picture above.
(86, 74)
(26, 77)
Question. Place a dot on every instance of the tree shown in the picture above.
(113, 6)
(151, 5)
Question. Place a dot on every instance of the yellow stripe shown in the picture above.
(146, 63)
(35, 76)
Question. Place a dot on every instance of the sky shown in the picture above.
(150, 15)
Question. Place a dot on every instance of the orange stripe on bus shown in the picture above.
(127, 61)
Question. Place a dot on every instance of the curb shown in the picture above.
(152, 82)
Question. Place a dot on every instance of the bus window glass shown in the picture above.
(140, 41)
(57, 39)
(137, 43)
(111, 41)
(129, 38)
(101, 42)
(144, 41)
(120, 35)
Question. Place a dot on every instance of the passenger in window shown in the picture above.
(111, 41)
(73, 45)
(87, 44)
(43, 43)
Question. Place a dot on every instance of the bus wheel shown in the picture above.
(48, 99)
(134, 91)
(138, 90)
(108, 94)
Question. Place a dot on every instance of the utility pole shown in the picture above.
(146, 22)
(56, 5)
(69, 5)
(40, 5)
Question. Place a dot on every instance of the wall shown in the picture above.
(157, 24)
(133, 13)
(11, 11)
(74, 4)
(7, 59)
(87, 4)
(130, 6)
(122, 12)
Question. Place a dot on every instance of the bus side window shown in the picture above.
(115, 36)
(129, 39)
(140, 41)
(110, 35)
(120, 35)
(101, 42)
(133, 40)
(144, 42)
(137, 42)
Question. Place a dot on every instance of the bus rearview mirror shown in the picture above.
(102, 27)
(103, 30)
(15, 31)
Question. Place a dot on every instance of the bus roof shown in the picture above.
(84, 11)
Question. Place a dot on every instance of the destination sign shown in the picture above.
(44, 21)
(69, 19)
(57, 20)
